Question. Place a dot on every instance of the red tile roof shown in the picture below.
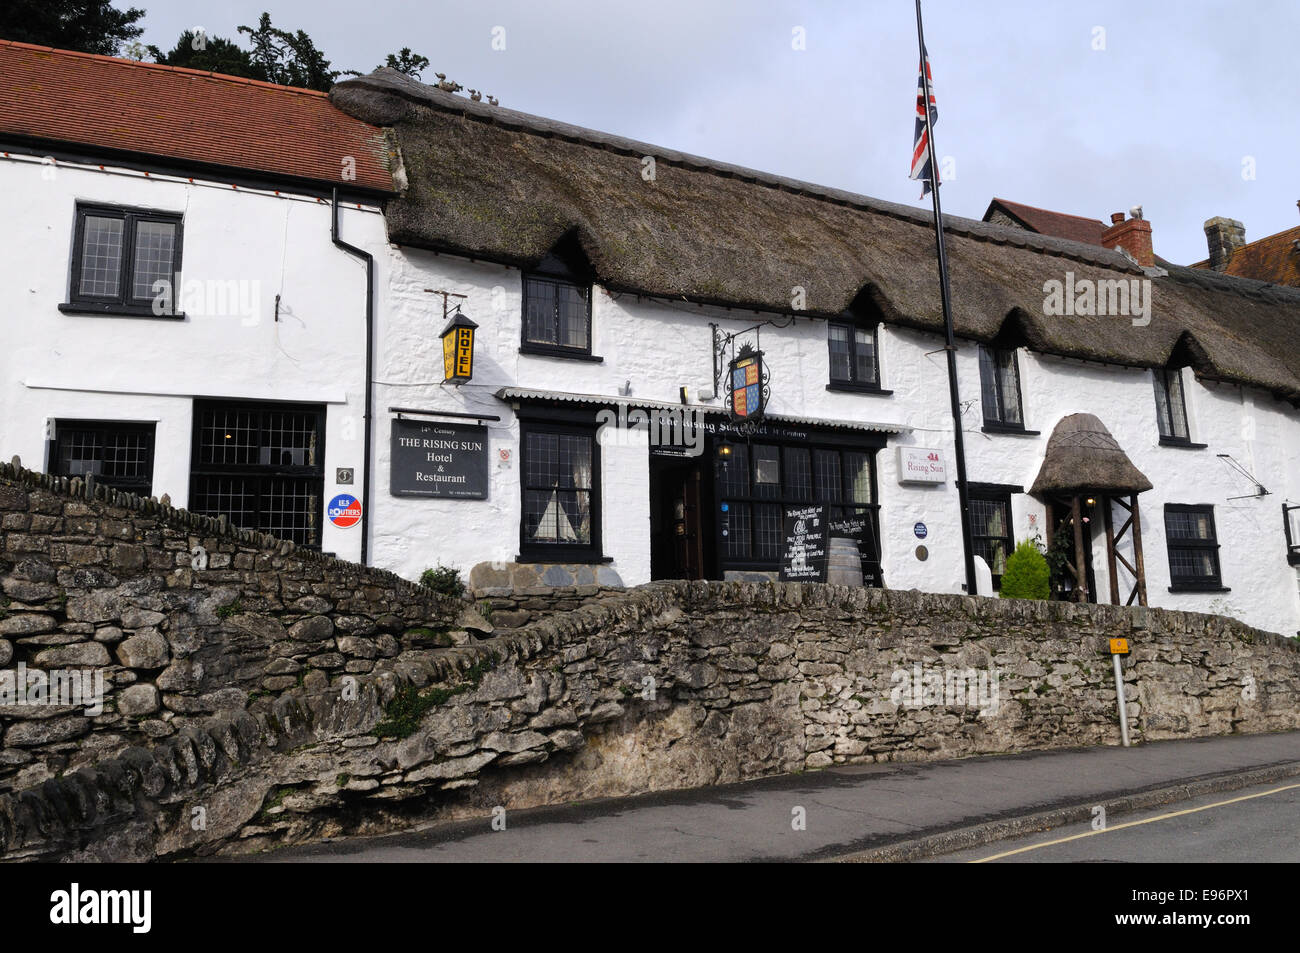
(1275, 259)
(165, 112)
(1057, 224)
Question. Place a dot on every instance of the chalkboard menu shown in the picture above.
(806, 543)
(803, 550)
(439, 460)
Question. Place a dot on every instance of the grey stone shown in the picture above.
(315, 628)
(28, 734)
(26, 623)
(605, 576)
(566, 739)
(83, 653)
(312, 604)
(138, 700)
(25, 591)
(134, 618)
(452, 768)
(6, 651)
(108, 633)
(513, 741)
(146, 651)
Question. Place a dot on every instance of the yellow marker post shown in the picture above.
(1120, 647)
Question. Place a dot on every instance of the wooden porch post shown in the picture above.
(1137, 552)
(1110, 551)
(1080, 574)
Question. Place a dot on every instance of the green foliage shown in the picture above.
(211, 53)
(412, 64)
(1026, 575)
(443, 579)
(225, 612)
(290, 59)
(91, 26)
(402, 715)
(1060, 552)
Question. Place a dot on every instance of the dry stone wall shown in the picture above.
(329, 704)
(173, 617)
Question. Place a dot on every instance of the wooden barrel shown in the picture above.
(843, 564)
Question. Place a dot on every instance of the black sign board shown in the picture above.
(448, 461)
(806, 543)
(803, 550)
(858, 527)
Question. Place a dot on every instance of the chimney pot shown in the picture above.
(1223, 236)
(1133, 235)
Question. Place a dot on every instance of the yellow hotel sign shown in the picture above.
(458, 350)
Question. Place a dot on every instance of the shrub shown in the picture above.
(443, 579)
(1026, 575)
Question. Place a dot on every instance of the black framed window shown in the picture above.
(561, 492)
(557, 315)
(1291, 524)
(991, 532)
(1193, 547)
(117, 454)
(260, 465)
(755, 482)
(1000, 388)
(853, 356)
(1171, 408)
(118, 254)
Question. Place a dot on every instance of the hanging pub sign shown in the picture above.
(439, 460)
(458, 349)
(747, 400)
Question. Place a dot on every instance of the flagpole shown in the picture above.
(963, 496)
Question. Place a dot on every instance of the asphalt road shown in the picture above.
(1259, 824)
(847, 811)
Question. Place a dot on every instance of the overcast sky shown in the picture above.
(1187, 108)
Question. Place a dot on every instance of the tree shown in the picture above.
(1026, 574)
(290, 59)
(90, 26)
(212, 53)
(412, 64)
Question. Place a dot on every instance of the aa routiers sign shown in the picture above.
(448, 461)
(921, 465)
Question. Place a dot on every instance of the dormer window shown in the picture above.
(1000, 388)
(853, 341)
(557, 306)
(1171, 408)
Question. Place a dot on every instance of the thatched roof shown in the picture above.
(496, 184)
(1082, 455)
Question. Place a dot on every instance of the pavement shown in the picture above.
(876, 812)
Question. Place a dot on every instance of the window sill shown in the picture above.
(1181, 442)
(854, 388)
(1009, 429)
(1190, 587)
(560, 352)
(118, 311)
(560, 559)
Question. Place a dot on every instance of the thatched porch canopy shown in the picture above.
(492, 183)
(1082, 456)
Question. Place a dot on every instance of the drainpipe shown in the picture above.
(370, 364)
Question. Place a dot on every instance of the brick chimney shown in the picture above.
(1224, 236)
(1133, 235)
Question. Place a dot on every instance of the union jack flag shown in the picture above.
(921, 149)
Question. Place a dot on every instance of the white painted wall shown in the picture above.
(659, 346)
(69, 366)
(94, 367)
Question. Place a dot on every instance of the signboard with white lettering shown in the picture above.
(448, 461)
(921, 465)
(803, 555)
